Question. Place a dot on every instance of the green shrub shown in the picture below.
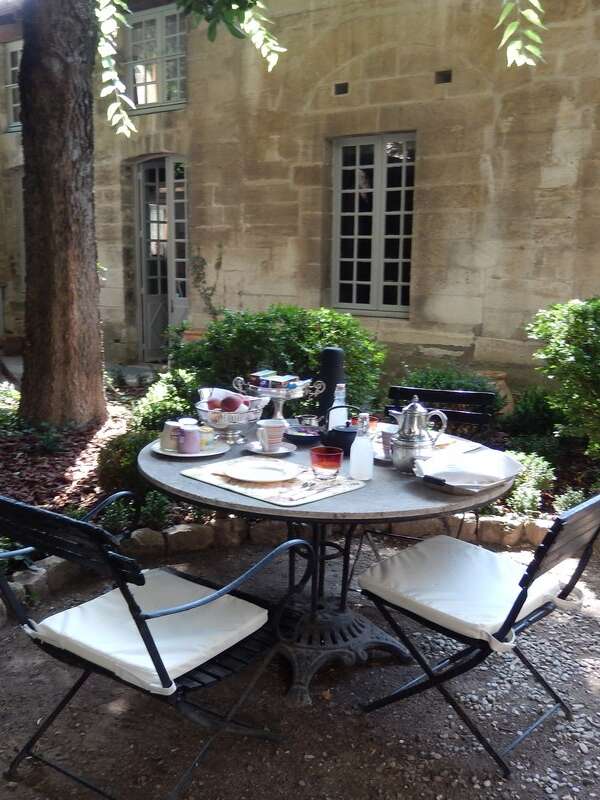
(9, 407)
(172, 396)
(453, 377)
(570, 358)
(155, 511)
(117, 462)
(288, 339)
(117, 517)
(548, 446)
(526, 495)
(570, 498)
(533, 414)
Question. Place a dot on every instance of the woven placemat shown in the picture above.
(305, 488)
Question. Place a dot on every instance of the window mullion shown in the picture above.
(378, 223)
(335, 248)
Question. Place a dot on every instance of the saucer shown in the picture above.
(217, 449)
(284, 449)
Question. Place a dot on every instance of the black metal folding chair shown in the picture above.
(482, 600)
(159, 631)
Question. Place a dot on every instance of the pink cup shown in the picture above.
(189, 440)
(270, 433)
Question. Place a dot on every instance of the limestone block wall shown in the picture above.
(507, 172)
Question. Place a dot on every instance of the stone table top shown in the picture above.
(389, 496)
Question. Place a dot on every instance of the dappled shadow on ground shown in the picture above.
(330, 751)
(32, 474)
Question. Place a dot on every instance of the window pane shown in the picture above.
(180, 269)
(363, 293)
(364, 248)
(393, 201)
(408, 224)
(349, 156)
(410, 176)
(405, 273)
(408, 201)
(390, 273)
(406, 248)
(365, 179)
(390, 295)
(394, 176)
(180, 252)
(392, 225)
(347, 226)
(348, 202)
(363, 271)
(365, 225)
(347, 248)
(180, 211)
(348, 176)
(346, 270)
(345, 295)
(180, 230)
(365, 201)
(392, 248)
(366, 154)
(405, 296)
(152, 286)
(181, 288)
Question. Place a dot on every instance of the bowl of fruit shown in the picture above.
(229, 413)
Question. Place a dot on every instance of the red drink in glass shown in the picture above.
(326, 461)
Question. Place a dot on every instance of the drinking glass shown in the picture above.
(326, 461)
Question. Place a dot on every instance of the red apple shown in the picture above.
(231, 403)
(213, 403)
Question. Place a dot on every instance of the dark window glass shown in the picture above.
(392, 248)
(347, 248)
(365, 179)
(179, 249)
(348, 203)
(346, 270)
(364, 248)
(390, 272)
(347, 226)
(392, 225)
(365, 201)
(407, 224)
(365, 225)
(405, 296)
(408, 201)
(410, 176)
(390, 295)
(406, 272)
(345, 293)
(406, 248)
(366, 154)
(410, 152)
(348, 176)
(394, 176)
(349, 156)
(393, 201)
(179, 231)
(363, 271)
(152, 286)
(363, 293)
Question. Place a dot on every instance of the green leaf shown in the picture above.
(504, 14)
(532, 16)
(538, 5)
(212, 30)
(510, 29)
(535, 50)
(533, 35)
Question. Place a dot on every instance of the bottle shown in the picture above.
(338, 416)
(361, 452)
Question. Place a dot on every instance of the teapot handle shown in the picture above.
(443, 419)
(325, 418)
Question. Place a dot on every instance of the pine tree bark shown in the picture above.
(63, 359)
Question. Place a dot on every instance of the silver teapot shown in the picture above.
(415, 439)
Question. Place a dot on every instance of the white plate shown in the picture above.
(257, 470)
(217, 449)
(282, 450)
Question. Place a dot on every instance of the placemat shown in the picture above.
(297, 492)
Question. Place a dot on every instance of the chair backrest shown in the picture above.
(572, 535)
(461, 407)
(74, 540)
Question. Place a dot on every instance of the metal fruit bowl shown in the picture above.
(231, 424)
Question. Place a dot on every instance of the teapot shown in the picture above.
(414, 438)
(341, 435)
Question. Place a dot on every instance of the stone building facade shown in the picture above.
(390, 165)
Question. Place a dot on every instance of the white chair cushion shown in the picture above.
(460, 586)
(103, 631)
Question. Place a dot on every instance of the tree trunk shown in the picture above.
(63, 365)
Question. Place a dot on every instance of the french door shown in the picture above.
(162, 251)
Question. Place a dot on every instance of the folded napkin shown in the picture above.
(468, 473)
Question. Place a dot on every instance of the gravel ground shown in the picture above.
(417, 749)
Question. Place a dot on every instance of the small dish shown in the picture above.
(284, 449)
(303, 434)
(257, 470)
(217, 449)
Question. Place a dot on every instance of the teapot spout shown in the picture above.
(398, 416)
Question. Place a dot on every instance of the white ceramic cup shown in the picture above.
(387, 430)
(269, 433)
(189, 439)
(169, 437)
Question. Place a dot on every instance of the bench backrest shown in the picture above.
(461, 407)
(74, 540)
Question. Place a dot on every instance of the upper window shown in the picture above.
(13, 100)
(156, 57)
(373, 180)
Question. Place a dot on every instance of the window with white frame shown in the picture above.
(156, 57)
(373, 181)
(13, 99)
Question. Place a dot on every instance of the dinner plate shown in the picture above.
(217, 449)
(258, 470)
(284, 449)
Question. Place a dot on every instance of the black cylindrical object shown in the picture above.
(331, 372)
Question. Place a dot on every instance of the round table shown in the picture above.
(329, 629)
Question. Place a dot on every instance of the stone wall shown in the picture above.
(507, 179)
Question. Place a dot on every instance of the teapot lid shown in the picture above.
(414, 406)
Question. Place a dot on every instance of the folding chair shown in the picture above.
(482, 600)
(158, 631)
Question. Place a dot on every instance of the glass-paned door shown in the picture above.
(162, 221)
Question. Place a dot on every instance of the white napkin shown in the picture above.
(468, 472)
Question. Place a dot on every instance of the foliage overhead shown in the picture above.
(569, 356)
(523, 21)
